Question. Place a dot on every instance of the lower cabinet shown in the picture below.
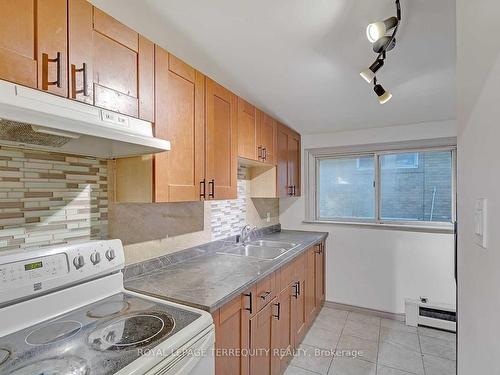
(257, 331)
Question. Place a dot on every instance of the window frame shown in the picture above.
(314, 156)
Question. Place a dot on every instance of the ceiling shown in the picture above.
(299, 60)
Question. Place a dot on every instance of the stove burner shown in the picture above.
(108, 308)
(55, 366)
(4, 355)
(132, 331)
(54, 332)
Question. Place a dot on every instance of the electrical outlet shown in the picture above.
(268, 219)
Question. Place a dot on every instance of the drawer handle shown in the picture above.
(278, 305)
(45, 71)
(250, 307)
(265, 295)
(83, 90)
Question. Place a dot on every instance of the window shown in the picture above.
(400, 187)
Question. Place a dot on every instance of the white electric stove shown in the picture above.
(63, 310)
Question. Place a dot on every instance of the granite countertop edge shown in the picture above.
(301, 247)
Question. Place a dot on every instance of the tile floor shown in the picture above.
(372, 346)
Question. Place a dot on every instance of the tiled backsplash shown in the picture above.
(49, 198)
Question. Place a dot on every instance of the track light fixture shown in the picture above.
(382, 43)
(369, 74)
(383, 95)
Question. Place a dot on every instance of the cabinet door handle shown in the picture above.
(265, 295)
(259, 152)
(84, 89)
(290, 191)
(45, 71)
(203, 187)
(250, 307)
(319, 249)
(211, 191)
(298, 287)
(296, 291)
(278, 305)
(293, 191)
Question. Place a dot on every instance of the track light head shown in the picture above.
(384, 44)
(383, 95)
(369, 74)
(377, 30)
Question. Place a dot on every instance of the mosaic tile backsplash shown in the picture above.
(49, 198)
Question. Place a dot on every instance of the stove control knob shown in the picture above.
(79, 262)
(110, 254)
(95, 258)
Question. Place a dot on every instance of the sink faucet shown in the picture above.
(246, 232)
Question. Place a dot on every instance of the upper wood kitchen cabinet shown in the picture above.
(33, 44)
(180, 111)
(288, 161)
(221, 113)
(111, 65)
(256, 133)
(247, 131)
(266, 136)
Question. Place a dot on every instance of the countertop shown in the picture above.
(209, 280)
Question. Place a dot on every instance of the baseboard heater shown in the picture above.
(427, 313)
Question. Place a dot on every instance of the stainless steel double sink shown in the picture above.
(260, 249)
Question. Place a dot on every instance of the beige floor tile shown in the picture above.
(439, 366)
(322, 338)
(396, 324)
(352, 366)
(367, 349)
(392, 355)
(365, 318)
(436, 333)
(362, 330)
(292, 370)
(308, 358)
(383, 370)
(438, 347)
(404, 339)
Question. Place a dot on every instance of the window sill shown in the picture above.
(448, 229)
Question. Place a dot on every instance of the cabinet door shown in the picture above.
(320, 274)
(232, 334)
(52, 42)
(80, 34)
(294, 163)
(268, 138)
(284, 338)
(299, 306)
(179, 119)
(310, 291)
(263, 330)
(123, 68)
(221, 141)
(18, 62)
(282, 162)
(247, 131)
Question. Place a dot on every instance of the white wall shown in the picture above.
(379, 268)
(478, 83)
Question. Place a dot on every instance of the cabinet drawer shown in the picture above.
(265, 291)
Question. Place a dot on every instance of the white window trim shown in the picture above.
(312, 157)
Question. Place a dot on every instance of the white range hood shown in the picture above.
(33, 119)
